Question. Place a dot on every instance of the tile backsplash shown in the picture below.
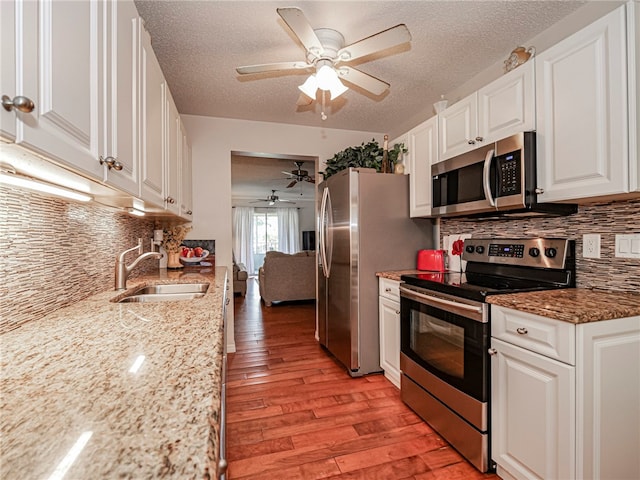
(54, 252)
(607, 219)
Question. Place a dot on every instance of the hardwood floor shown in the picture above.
(294, 412)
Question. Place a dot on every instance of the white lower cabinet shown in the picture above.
(565, 398)
(389, 316)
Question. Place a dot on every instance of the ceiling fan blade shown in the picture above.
(288, 173)
(272, 67)
(301, 27)
(310, 180)
(292, 184)
(363, 80)
(380, 41)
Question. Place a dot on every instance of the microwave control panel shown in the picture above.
(509, 173)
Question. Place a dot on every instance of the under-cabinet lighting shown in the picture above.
(70, 457)
(136, 212)
(137, 364)
(11, 178)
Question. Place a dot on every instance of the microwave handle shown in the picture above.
(486, 185)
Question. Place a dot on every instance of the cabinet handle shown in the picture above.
(479, 139)
(471, 142)
(189, 212)
(24, 104)
(171, 200)
(539, 190)
(111, 163)
(492, 351)
(397, 312)
(522, 331)
(387, 289)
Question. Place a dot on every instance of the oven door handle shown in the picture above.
(405, 292)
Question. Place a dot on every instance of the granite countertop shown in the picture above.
(574, 305)
(68, 374)
(395, 274)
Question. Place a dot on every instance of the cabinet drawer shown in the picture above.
(551, 338)
(389, 289)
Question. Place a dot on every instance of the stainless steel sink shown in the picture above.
(167, 293)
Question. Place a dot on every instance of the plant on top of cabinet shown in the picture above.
(363, 156)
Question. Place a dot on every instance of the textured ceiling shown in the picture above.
(199, 44)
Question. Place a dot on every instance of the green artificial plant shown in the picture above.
(364, 156)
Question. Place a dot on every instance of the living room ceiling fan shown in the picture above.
(273, 199)
(299, 175)
(327, 55)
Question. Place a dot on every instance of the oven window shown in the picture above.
(438, 343)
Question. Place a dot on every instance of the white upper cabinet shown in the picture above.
(458, 127)
(423, 152)
(507, 105)
(582, 113)
(120, 90)
(502, 108)
(174, 156)
(153, 90)
(8, 71)
(186, 179)
(59, 68)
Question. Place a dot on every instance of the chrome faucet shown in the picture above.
(123, 271)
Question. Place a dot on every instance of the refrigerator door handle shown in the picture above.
(323, 233)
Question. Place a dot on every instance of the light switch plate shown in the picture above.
(628, 245)
(591, 245)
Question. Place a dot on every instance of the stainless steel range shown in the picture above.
(445, 332)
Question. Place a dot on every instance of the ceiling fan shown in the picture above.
(327, 55)
(299, 175)
(273, 199)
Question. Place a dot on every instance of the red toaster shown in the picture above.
(431, 260)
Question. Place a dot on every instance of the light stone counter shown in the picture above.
(68, 374)
(574, 305)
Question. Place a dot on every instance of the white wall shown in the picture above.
(213, 140)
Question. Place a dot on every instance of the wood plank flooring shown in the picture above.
(295, 413)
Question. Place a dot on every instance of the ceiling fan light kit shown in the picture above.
(325, 52)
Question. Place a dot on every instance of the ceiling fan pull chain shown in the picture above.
(323, 116)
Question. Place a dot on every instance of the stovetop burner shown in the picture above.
(500, 266)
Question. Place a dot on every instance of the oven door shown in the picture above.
(448, 337)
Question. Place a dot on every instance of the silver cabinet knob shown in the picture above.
(471, 142)
(24, 104)
(397, 312)
(189, 212)
(539, 190)
(110, 162)
(387, 289)
(522, 331)
(492, 351)
(171, 200)
(479, 139)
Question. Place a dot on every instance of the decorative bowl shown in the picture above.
(205, 254)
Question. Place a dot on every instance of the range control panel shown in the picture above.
(528, 252)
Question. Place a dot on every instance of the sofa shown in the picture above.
(240, 276)
(285, 277)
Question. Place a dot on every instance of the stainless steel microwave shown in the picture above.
(497, 179)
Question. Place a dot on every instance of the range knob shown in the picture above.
(534, 252)
(550, 252)
(480, 249)
(469, 248)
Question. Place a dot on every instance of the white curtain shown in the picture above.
(243, 236)
(288, 230)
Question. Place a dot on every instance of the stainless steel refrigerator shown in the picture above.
(364, 228)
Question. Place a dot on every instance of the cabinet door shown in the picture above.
(174, 156)
(152, 126)
(608, 400)
(582, 124)
(507, 105)
(458, 127)
(186, 177)
(8, 72)
(532, 414)
(390, 339)
(61, 69)
(423, 152)
(120, 89)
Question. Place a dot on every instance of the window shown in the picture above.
(265, 235)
